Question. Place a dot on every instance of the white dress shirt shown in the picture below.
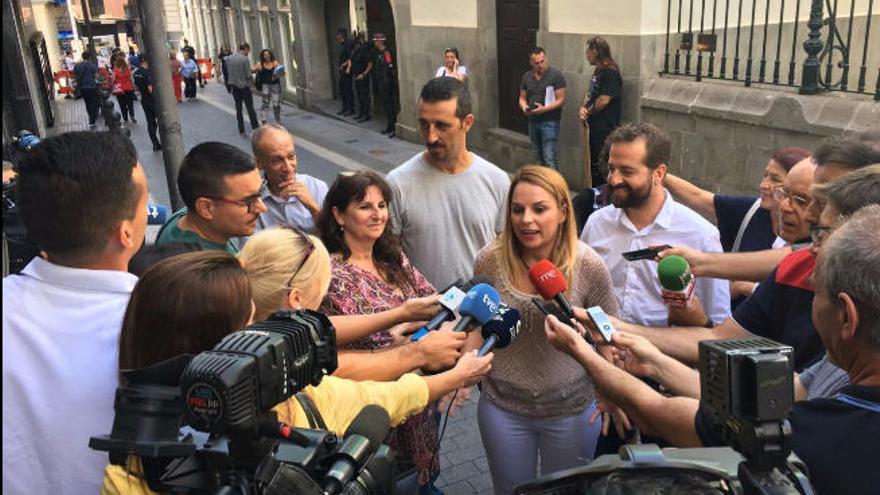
(610, 232)
(60, 347)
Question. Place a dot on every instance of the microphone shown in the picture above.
(156, 214)
(451, 300)
(365, 434)
(676, 280)
(479, 305)
(500, 331)
(551, 284)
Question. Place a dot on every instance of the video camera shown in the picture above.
(746, 385)
(18, 249)
(204, 423)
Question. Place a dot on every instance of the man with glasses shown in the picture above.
(291, 198)
(220, 186)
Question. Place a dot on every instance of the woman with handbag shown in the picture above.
(268, 82)
(123, 88)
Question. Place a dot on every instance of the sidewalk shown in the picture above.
(325, 147)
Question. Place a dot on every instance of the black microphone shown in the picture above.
(500, 331)
(451, 300)
(365, 434)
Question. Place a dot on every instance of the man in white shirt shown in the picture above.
(448, 202)
(291, 199)
(645, 214)
(83, 199)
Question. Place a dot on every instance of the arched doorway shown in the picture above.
(336, 16)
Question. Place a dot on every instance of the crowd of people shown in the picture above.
(797, 263)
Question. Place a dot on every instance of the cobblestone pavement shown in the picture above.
(325, 146)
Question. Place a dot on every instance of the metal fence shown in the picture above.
(813, 45)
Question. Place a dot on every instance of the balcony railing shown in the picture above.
(812, 45)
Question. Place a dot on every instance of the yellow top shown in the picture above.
(337, 399)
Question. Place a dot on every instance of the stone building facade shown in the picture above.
(723, 132)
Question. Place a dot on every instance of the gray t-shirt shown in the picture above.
(444, 220)
(536, 92)
(823, 379)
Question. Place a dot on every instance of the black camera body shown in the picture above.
(204, 423)
(746, 384)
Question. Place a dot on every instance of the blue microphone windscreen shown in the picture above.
(157, 214)
(505, 325)
(481, 303)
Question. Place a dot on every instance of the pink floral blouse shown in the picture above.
(354, 291)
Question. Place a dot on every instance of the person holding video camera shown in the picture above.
(186, 304)
(534, 403)
(83, 200)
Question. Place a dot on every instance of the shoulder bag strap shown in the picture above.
(314, 417)
(744, 225)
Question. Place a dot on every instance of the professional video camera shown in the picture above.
(204, 423)
(746, 384)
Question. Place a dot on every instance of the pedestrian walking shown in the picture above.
(189, 70)
(224, 70)
(269, 72)
(343, 64)
(239, 66)
(68, 62)
(188, 49)
(123, 88)
(86, 74)
(361, 66)
(386, 82)
(143, 79)
(176, 78)
(134, 58)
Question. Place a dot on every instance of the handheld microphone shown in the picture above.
(480, 304)
(451, 300)
(676, 280)
(500, 331)
(551, 284)
(365, 434)
(156, 214)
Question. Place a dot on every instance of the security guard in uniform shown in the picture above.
(361, 66)
(386, 75)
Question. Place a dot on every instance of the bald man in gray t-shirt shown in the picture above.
(445, 219)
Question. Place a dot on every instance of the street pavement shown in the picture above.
(326, 146)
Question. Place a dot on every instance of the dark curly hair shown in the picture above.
(387, 251)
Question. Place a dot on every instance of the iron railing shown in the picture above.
(43, 72)
(767, 42)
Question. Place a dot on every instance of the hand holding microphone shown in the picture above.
(449, 301)
(677, 284)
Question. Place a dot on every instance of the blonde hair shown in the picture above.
(270, 258)
(564, 253)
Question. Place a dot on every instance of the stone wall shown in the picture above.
(723, 134)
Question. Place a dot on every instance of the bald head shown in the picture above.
(275, 152)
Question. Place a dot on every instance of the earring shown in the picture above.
(341, 227)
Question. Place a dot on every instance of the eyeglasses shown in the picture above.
(249, 203)
(310, 248)
(781, 195)
(818, 233)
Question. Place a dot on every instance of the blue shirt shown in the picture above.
(730, 211)
(189, 68)
(781, 309)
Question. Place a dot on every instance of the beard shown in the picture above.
(624, 196)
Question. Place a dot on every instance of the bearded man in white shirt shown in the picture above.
(644, 214)
(83, 201)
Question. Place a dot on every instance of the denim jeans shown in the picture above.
(544, 136)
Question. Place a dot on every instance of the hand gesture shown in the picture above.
(610, 412)
(696, 259)
(421, 308)
(402, 331)
(562, 336)
(537, 109)
(582, 114)
(440, 349)
(635, 354)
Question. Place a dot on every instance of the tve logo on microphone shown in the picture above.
(493, 307)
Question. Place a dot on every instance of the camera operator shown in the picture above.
(186, 304)
(83, 200)
(845, 311)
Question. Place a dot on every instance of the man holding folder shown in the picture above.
(541, 97)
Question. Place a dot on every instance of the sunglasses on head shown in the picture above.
(310, 247)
